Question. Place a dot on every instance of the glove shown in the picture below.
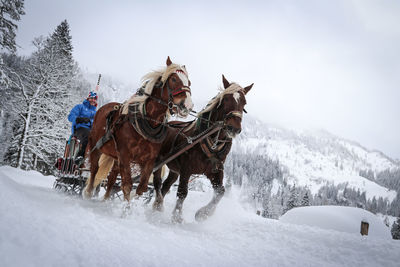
(82, 120)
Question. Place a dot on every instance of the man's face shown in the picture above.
(92, 101)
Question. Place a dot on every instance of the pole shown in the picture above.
(98, 83)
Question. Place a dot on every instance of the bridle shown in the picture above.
(215, 147)
(234, 113)
(171, 93)
(214, 141)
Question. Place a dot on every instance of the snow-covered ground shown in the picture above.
(343, 219)
(39, 227)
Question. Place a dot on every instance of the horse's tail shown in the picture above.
(105, 165)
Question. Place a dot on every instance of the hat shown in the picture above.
(92, 95)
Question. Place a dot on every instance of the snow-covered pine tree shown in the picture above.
(396, 229)
(9, 121)
(292, 202)
(46, 93)
(306, 200)
(10, 12)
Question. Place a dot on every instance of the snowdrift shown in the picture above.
(343, 219)
(40, 227)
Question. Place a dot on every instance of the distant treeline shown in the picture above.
(264, 185)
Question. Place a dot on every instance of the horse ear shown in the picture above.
(169, 62)
(225, 81)
(247, 89)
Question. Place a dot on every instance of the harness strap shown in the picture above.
(110, 128)
(214, 155)
(143, 127)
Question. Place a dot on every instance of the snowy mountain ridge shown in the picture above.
(314, 158)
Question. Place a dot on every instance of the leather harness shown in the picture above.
(139, 120)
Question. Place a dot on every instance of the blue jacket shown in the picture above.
(84, 110)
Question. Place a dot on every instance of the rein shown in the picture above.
(214, 147)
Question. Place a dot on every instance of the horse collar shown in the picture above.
(214, 154)
(140, 123)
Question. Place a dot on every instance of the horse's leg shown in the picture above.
(111, 179)
(182, 193)
(126, 180)
(157, 182)
(145, 173)
(166, 185)
(219, 190)
(94, 167)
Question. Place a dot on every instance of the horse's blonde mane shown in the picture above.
(148, 82)
(233, 88)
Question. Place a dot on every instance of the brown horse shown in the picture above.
(207, 157)
(137, 127)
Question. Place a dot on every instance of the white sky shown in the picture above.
(321, 64)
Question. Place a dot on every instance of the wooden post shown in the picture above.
(364, 228)
(258, 212)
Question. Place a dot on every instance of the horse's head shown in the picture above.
(231, 107)
(177, 85)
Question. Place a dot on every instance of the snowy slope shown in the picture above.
(315, 157)
(40, 227)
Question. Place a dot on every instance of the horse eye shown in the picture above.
(173, 79)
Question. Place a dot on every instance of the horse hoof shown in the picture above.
(86, 194)
(126, 210)
(158, 207)
(203, 214)
(177, 219)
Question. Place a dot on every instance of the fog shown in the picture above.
(315, 64)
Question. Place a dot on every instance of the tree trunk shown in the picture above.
(24, 137)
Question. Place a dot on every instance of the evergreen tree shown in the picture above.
(396, 229)
(373, 205)
(292, 202)
(306, 200)
(10, 12)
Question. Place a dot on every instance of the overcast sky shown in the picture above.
(322, 64)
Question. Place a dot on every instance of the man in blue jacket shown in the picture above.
(82, 116)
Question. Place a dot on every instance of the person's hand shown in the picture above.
(82, 120)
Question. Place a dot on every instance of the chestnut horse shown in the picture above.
(207, 157)
(136, 129)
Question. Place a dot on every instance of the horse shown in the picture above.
(133, 132)
(209, 156)
(206, 157)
